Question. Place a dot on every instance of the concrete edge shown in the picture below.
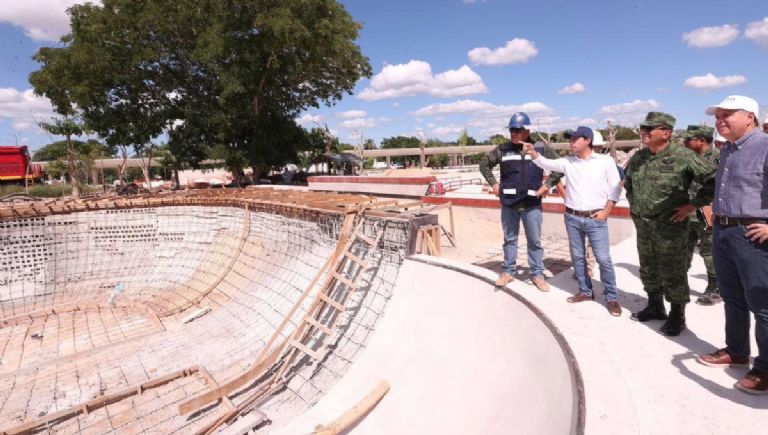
(580, 407)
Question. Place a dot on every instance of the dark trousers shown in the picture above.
(742, 275)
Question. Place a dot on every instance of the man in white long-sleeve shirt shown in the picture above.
(593, 189)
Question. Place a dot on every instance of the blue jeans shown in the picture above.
(578, 229)
(510, 223)
(741, 267)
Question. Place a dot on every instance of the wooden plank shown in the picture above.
(245, 424)
(360, 262)
(312, 321)
(99, 402)
(314, 354)
(224, 390)
(330, 301)
(344, 280)
(362, 408)
(371, 242)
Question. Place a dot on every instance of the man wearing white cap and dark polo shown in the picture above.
(740, 239)
(593, 189)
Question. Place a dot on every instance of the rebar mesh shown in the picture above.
(96, 301)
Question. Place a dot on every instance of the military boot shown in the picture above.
(676, 322)
(654, 311)
(711, 295)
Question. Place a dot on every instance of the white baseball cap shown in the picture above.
(719, 137)
(597, 139)
(736, 102)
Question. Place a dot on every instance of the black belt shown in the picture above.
(581, 213)
(730, 222)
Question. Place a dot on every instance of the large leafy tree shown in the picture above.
(225, 74)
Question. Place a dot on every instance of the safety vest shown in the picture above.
(520, 178)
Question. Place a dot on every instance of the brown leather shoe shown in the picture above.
(540, 283)
(581, 297)
(755, 382)
(504, 279)
(721, 358)
(614, 308)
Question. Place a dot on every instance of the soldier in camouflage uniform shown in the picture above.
(698, 139)
(658, 182)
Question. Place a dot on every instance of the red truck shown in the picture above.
(15, 165)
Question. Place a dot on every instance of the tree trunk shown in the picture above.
(71, 168)
(146, 169)
(256, 174)
(123, 165)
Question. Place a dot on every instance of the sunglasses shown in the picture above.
(649, 129)
(516, 129)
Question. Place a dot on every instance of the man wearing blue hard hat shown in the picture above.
(520, 192)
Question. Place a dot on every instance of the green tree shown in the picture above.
(400, 142)
(231, 74)
(498, 139)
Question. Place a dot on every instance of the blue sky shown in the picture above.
(441, 66)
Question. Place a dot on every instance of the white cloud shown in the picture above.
(362, 123)
(25, 126)
(352, 114)
(572, 89)
(24, 109)
(634, 107)
(757, 31)
(480, 107)
(709, 81)
(709, 37)
(307, 119)
(518, 50)
(551, 123)
(416, 78)
(628, 113)
(451, 131)
(42, 20)
(359, 123)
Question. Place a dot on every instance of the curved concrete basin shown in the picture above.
(112, 319)
(461, 357)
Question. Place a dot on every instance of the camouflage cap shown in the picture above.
(701, 131)
(658, 119)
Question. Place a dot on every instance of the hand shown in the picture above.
(528, 149)
(757, 233)
(542, 191)
(561, 188)
(496, 189)
(601, 215)
(707, 212)
(682, 212)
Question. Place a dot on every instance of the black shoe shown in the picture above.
(711, 295)
(654, 311)
(709, 299)
(676, 322)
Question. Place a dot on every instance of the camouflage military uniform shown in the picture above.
(699, 232)
(656, 185)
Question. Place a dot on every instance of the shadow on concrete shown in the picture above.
(730, 394)
(553, 265)
(634, 269)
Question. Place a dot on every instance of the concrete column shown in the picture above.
(389, 163)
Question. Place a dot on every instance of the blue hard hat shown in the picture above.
(519, 120)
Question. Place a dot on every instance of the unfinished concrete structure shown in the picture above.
(184, 313)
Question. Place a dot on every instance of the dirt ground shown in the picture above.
(479, 241)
